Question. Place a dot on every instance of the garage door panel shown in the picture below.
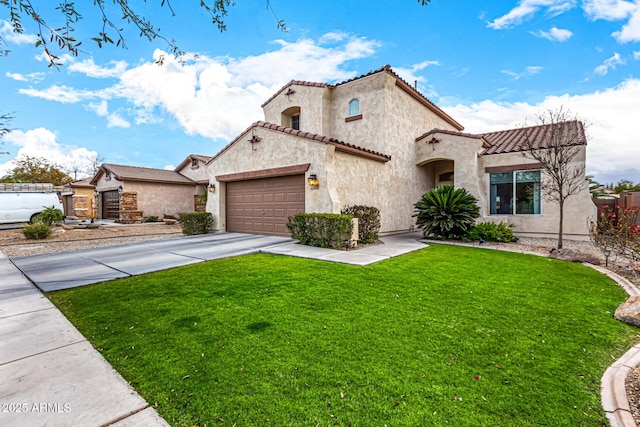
(263, 205)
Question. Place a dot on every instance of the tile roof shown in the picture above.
(385, 69)
(340, 145)
(136, 173)
(514, 140)
(86, 182)
(187, 160)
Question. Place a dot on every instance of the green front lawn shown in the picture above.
(444, 336)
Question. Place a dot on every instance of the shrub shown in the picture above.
(36, 231)
(196, 223)
(322, 230)
(446, 212)
(50, 215)
(368, 221)
(491, 231)
(151, 218)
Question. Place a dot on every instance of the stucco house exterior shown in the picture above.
(79, 200)
(131, 193)
(375, 140)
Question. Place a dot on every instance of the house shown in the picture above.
(79, 200)
(131, 193)
(375, 140)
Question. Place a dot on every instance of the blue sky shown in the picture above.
(491, 65)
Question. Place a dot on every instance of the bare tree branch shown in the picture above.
(556, 144)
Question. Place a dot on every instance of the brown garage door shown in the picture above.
(110, 204)
(262, 206)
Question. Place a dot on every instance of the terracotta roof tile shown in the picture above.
(514, 140)
(291, 83)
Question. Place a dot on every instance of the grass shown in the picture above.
(444, 336)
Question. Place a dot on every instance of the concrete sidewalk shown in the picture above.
(51, 375)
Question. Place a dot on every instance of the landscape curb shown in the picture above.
(613, 390)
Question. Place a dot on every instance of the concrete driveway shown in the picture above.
(71, 269)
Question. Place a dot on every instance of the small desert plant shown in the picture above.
(491, 231)
(151, 218)
(36, 231)
(50, 215)
(196, 223)
(446, 212)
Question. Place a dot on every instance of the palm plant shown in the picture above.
(446, 212)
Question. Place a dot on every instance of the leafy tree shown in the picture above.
(37, 170)
(446, 212)
(5, 119)
(625, 184)
(61, 36)
(556, 145)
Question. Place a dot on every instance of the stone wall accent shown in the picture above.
(81, 206)
(129, 213)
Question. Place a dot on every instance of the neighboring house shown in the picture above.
(375, 140)
(79, 200)
(131, 193)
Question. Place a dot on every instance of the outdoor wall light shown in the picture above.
(212, 188)
(313, 181)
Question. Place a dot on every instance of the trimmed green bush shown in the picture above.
(151, 218)
(321, 230)
(36, 231)
(446, 212)
(368, 221)
(491, 231)
(50, 215)
(196, 223)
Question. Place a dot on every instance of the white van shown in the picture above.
(18, 206)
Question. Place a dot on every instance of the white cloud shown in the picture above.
(609, 64)
(527, 8)
(636, 55)
(609, 10)
(409, 74)
(63, 94)
(630, 32)
(531, 70)
(554, 34)
(612, 152)
(89, 68)
(31, 77)
(7, 33)
(42, 142)
(115, 120)
(101, 108)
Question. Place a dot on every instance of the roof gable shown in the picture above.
(190, 157)
(340, 145)
(136, 173)
(412, 91)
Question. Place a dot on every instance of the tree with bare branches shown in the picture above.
(557, 144)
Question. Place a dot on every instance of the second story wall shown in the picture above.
(305, 100)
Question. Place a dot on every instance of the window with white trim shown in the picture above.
(514, 193)
(354, 107)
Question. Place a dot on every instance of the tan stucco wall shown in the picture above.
(84, 205)
(274, 150)
(158, 199)
(310, 101)
(199, 173)
(579, 209)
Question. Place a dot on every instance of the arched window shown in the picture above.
(291, 118)
(354, 107)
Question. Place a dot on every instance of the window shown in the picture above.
(295, 122)
(354, 107)
(194, 164)
(515, 193)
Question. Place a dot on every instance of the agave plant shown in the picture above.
(446, 212)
